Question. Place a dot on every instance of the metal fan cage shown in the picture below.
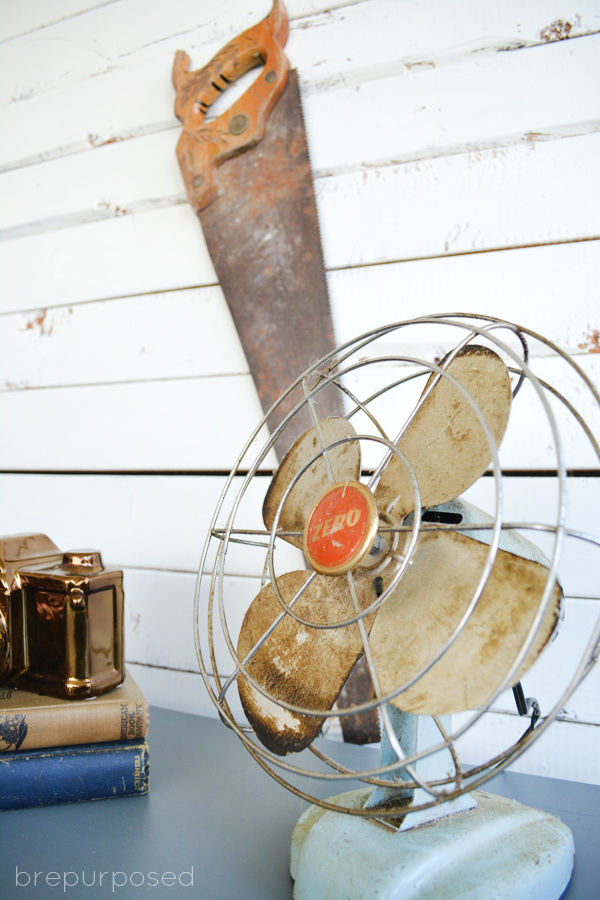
(572, 420)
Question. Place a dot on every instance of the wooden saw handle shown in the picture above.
(204, 145)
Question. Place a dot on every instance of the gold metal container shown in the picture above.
(16, 551)
(74, 622)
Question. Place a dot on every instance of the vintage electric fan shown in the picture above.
(367, 554)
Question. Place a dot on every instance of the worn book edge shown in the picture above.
(49, 776)
(29, 721)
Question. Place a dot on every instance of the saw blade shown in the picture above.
(248, 177)
(262, 234)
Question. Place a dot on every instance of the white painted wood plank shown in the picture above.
(537, 500)
(550, 290)
(535, 286)
(396, 37)
(411, 32)
(91, 44)
(93, 119)
(159, 619)
(181, 334)
(473, 102)
(86, 186)
(203, 424)
(161, 522)
(529, 442)
(529, 435)
(116, 257)
(193, 424)
(460, 204)
(190, 332)
(187, 333)
(470, 105)
(567, 750)
(157, 522)
(18, 19)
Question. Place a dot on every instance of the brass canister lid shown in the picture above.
(82, 562)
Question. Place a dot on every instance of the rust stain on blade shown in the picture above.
(262, 234)
(299, 664)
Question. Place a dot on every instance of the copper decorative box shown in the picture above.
(15, 551)
(62, 619)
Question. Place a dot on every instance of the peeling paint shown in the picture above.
(420, 63)
(94, 140)
(559, 30)
(113, 210)
(39, 321)
(591, 342)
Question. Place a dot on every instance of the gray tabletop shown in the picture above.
(213, 815)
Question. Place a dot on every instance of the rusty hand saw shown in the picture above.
(248, 177)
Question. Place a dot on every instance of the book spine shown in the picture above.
(73, 722)
(72, 774)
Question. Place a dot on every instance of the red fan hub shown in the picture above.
(341, 528)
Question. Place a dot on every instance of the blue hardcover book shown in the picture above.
(69, 774)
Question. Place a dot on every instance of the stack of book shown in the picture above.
(62, 751)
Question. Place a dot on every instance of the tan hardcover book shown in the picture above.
(29, 720)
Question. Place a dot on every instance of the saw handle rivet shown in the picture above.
(270, 77)
(239, 124)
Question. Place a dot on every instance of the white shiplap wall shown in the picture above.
(454, 147)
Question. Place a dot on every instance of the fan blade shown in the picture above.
(415, 622)
(298, 664)
(445, 442)
(345, 464)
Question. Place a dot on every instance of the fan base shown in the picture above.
(500, 849)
